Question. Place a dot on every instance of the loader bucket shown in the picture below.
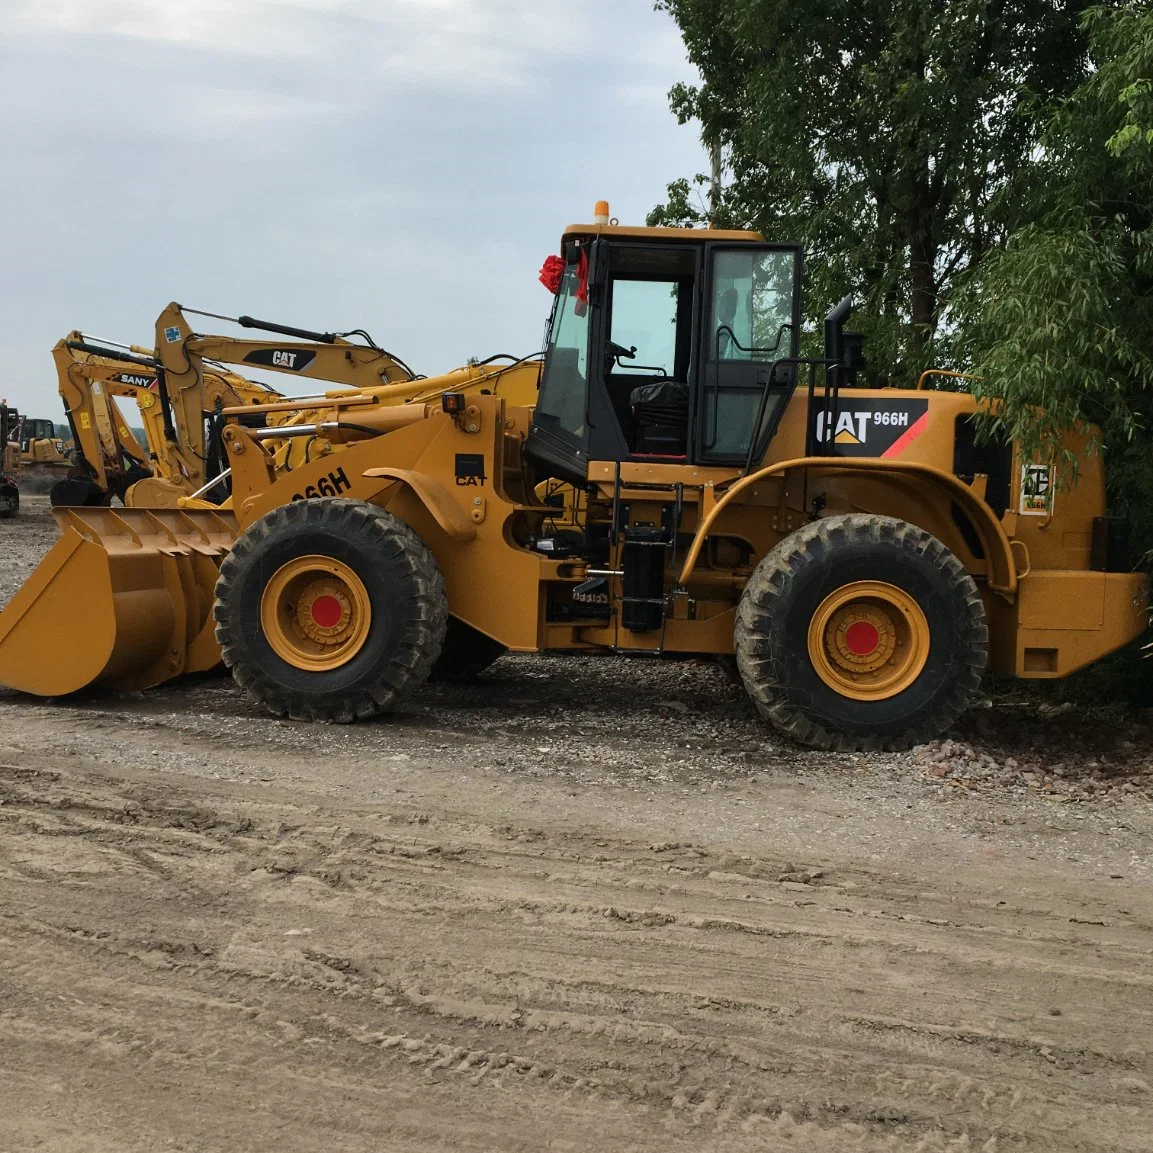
(123, 599)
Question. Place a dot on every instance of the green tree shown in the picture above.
(878, 134)
(1059, 322)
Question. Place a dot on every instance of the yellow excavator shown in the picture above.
(111, 461)
(369, 377)
(109, 457)
(42, 452)
(180, 391)
(862, 552)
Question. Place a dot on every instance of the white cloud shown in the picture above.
(458, 43)
(401, 164)
(205, 108)
(252, 27)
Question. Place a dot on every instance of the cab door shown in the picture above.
(752, 320)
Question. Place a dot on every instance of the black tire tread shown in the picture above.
(424, 635)
(763, 601)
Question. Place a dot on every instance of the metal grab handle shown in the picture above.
(1022, 573)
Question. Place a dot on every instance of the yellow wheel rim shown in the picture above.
(869, 640)
(315, 613)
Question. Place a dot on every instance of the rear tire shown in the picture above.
(861, 632)
(329, 610)
(466, 653)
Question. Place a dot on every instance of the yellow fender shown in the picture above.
(1003, 575)
(435, 497)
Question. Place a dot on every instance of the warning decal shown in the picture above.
(871, 427)
(1036, 489)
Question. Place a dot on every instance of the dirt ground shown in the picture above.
(585, 904)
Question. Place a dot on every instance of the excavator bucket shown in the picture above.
(123, 599)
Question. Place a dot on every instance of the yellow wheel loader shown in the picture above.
(861, 552)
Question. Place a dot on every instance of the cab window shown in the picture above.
(750, 325)
(644, 324)
(562, 404)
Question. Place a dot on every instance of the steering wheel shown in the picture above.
(615, 353)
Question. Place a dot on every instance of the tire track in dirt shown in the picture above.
(679, 992)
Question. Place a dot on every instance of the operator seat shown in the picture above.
(661, 412)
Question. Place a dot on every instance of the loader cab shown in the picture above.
(666, 350)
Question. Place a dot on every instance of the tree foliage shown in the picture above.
(1060, 321)
(880, 135)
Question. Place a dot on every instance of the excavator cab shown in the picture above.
(671, 349)
(33, 430)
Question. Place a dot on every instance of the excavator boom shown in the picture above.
(113, 462)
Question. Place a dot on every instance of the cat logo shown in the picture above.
(851, 427)
(292, 359)
(882, 428)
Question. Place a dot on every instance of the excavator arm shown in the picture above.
(374, 382)
(109, 457)
(174, 463)
(319, 356)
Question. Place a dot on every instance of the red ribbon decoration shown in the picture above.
(582, 296)
(552, 273)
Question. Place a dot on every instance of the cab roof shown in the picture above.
(683, 235)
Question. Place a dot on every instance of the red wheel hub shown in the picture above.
(326, 612)
(862, 638)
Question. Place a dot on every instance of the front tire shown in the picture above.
(861, 632)
(329, 610)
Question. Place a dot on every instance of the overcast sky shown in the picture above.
(401, 165)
